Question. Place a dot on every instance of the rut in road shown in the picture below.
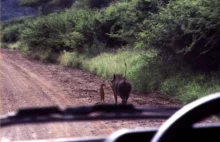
(29, 83)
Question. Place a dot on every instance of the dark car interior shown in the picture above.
(180, 127)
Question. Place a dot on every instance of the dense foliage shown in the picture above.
(92, 3)
(64, 31)
(187, 29)
(47, 6)
(11, 29)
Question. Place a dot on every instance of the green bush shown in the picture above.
(4, 45)
(72, 59)
(61, 31)
(10, 34)
(46, 56)
(11, 29)
(47, 33)
(92, 3)
(188, 29)
(190, 87)
(86, 30)
(14, 46)
(146, 77)
(125, 18)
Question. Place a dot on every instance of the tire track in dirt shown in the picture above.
(22, 88)
(28, 83)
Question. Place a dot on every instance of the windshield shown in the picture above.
(71, 53)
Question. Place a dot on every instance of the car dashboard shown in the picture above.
(199, 133)
(181, 125)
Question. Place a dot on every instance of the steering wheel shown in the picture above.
(178, 126)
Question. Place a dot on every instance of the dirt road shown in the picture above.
(29, 83)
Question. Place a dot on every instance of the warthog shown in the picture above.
(121, 87)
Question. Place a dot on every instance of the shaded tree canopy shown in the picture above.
(93, 3)
(47, 6)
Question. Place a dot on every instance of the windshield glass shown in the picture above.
(70, 53)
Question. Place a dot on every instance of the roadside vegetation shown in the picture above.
(169, 46)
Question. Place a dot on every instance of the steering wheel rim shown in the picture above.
(180, 123)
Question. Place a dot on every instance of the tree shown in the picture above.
(47, 6)
(187, 30)
(98, 4)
